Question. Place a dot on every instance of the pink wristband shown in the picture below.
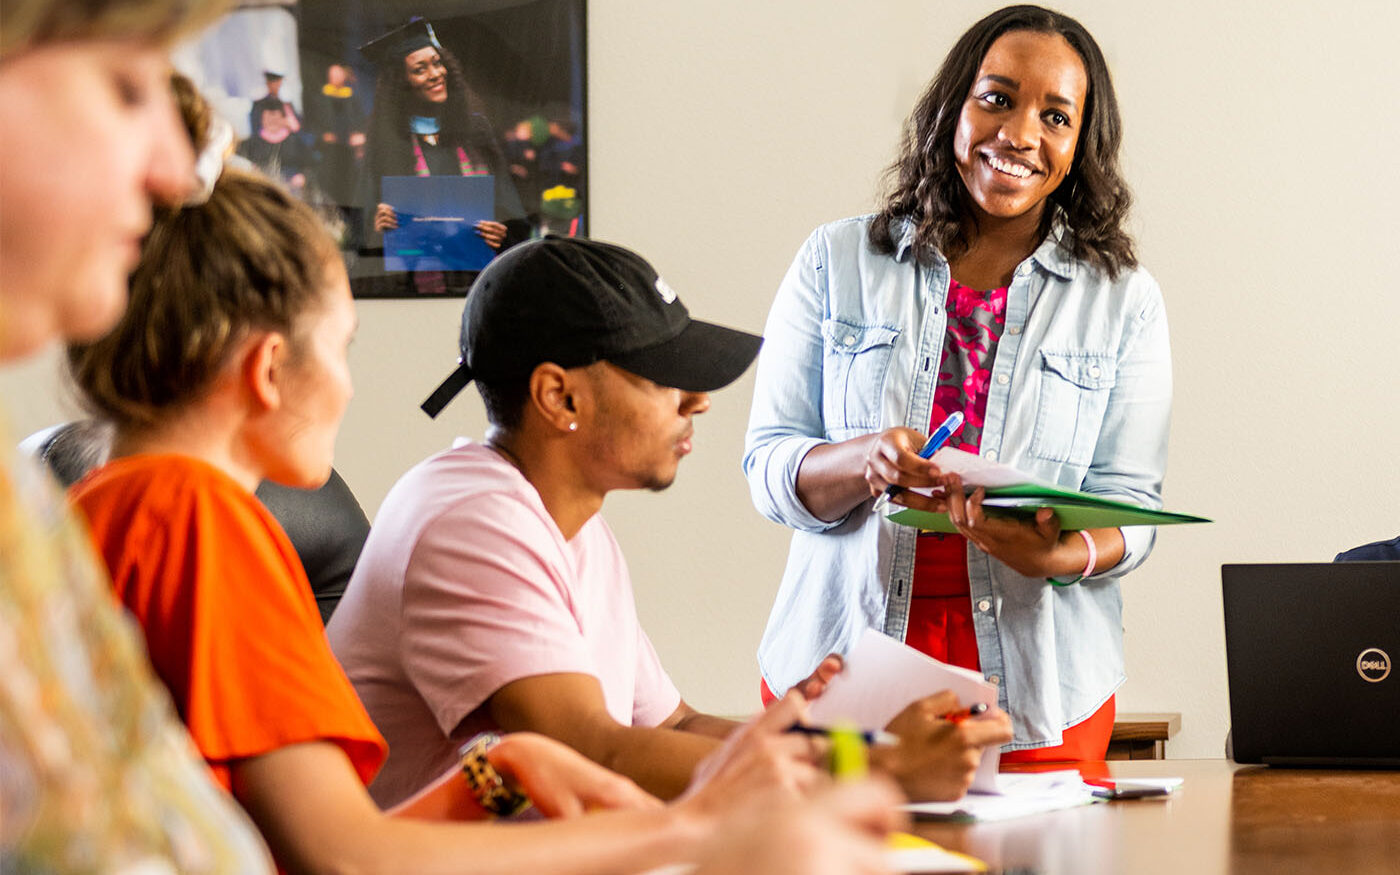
(1093, 553)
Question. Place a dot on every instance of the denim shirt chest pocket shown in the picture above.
(856, 360)
(1074, 392)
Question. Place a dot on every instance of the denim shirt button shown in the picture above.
(991, 455)
(1002, 379)
(850, 340)
(1014, 330)
(1095, 371)
(994, 679)
(984, 605)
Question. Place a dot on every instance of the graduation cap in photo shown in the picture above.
(402, 41)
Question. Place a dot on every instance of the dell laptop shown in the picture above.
(1310, 651)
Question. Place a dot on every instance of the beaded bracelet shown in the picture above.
(485, 782)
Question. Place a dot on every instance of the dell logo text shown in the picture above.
(1373, 665)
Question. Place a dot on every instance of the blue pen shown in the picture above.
(940, 436)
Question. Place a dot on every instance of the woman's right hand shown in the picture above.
(385, 219)
(893, 459)
(835, 478)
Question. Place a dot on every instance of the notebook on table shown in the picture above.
(1309, 650)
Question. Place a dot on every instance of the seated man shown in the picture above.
(492, 595)
(1376, 551)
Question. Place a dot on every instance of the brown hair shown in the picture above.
(252, 257)
(29, 23)
(195, 112)
(925, 188)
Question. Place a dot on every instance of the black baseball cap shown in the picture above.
(573, 302)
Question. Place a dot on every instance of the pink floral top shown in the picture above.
(975, 321)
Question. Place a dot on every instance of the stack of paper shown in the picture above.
(1016, 795)
(1013, 492)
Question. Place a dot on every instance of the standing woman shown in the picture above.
(425, 123)
(997, 281)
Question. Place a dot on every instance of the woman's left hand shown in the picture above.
(1031, 547)
(494, 233)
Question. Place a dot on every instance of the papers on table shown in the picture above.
(883, 675)
(1016, 795)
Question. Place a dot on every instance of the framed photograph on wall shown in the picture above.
(434, 134)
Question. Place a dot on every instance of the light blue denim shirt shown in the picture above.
(1080, 395)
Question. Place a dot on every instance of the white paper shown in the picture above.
(883, 676)
(977, 470)
(1017, 794)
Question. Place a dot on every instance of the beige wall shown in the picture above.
(1260, 140)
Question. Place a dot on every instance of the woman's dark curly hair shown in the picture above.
(395, 102)
(923, 184)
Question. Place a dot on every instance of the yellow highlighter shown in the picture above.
(847, 761)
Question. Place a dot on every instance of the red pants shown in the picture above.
(940, 624)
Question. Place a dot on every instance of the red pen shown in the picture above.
(957, 717)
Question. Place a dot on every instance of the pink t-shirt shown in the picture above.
(465, 585)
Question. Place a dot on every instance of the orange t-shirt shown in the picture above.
(227, 611)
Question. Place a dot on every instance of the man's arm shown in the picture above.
(570, 707)
(687, 719)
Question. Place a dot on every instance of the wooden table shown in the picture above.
(1225, 818)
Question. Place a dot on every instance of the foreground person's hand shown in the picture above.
(758, 764)
(560, 781)
(840, 831)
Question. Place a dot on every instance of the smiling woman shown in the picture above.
(426, 122)
(996, 282)
(1015, 139)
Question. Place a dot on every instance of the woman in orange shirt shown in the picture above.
(230, 367)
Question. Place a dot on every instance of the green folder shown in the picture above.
(1075, 510)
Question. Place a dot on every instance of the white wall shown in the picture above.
(1259, 143)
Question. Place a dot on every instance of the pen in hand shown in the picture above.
(970, 711)
(940, 436)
